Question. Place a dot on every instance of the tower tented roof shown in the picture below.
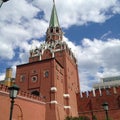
(54, 18)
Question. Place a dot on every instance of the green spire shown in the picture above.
(54, 18)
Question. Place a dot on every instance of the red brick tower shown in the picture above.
(52, 73)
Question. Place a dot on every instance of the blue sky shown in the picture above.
(95, 30)
(91, 29)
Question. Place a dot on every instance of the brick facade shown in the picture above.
(90, 103)
(26, 106)
(57, 83)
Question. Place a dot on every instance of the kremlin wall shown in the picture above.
(26, 106)
(30, 107)
(90, 103)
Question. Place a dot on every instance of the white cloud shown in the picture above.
(2, 76)
(23, 23)
(81, 12)
(20, 24)
(96, 58)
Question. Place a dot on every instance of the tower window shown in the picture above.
(35, 93)
(34, 78)
(58, 46)
(51, 30)
(22, 78)
(46, 74)
(57, 30)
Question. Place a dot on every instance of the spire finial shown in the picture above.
(53, 1)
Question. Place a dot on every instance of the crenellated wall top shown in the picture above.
(100, 92)
(22, 95)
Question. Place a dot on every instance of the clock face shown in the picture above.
(34, 78)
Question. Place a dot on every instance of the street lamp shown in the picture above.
(13, 94)
(105, 106)
(2, 1)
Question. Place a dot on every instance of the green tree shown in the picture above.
(77, 118)
(94, 117)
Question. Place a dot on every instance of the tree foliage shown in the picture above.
(78, 118)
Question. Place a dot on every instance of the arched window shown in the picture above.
(58, 46)
(35, 93)
(57, 30)
(51, 30)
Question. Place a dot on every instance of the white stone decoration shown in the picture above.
(66, 95)
(67, 107)
(53, 102)
(53, 89)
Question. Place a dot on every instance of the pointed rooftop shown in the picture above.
(54, 32)
(54, 18)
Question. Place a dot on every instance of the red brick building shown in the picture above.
(52, 73)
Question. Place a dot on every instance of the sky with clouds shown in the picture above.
(91, 29)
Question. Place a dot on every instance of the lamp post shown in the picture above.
(105, 106)
(2, 1)
(13, 94)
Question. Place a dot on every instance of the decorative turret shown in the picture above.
(8, 78)
(53, 43)
(54, 31)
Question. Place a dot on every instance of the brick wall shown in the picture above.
(26, 106)
(90, 103)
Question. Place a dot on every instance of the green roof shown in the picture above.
(54, 18)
